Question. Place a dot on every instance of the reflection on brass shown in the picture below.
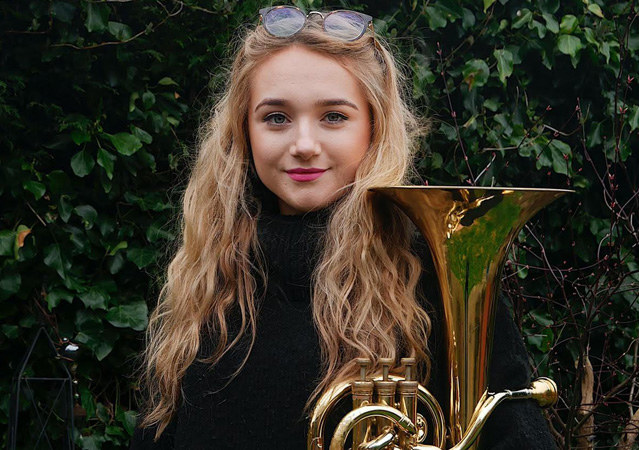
(468, 230)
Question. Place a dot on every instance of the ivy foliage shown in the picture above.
(99, 107)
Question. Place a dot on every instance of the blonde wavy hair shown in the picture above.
(364, 297)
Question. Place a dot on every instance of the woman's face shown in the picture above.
(309, 127)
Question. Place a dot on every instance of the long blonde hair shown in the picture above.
(364, 301)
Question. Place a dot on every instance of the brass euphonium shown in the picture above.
(469, 231)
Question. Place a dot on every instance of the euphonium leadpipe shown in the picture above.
(468, 230)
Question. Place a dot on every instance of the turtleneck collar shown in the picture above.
(291, 245)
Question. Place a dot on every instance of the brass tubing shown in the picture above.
(408, 406)
(407, 389)
(437, 415)
(326, 403)
(386, 437)
(385, 393)
(333, 396)
(362, 393)
(542, 390)
(367, 412)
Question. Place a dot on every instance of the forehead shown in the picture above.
(299, 72)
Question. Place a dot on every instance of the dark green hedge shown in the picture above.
(99, 106)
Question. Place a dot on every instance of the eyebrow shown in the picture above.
(327, 102)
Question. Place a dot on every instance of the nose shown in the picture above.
(306, 144)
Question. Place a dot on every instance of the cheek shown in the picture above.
(358, 146)
(261, 161)
(259, 148)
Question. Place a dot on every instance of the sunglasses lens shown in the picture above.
(347, 25)
(284, 22)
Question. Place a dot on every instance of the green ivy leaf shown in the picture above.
(569, 45)
(451, 9)
(448, 131)
(504, 64)
(155, 233)
(551, 23)
(142, 135)
(633, 118)
(605, 50)
(114, 431)
(548, 337)
(7, 240)
(82, 163)
(568, 24)
(468, 19)
(87, 401)
(120, 245)
(125, 143)
(475, 73)
(10, 331)
(97, 16)
(132, 99)
(106, 160)
(436, 160)
(141, 257)
(35, 187)
(94, 298)
(549, 6)
(541, 29)
(88, 215)
(589, 34)
(435, 17)
(65, 208)
(153, 201)
(115, 263)
(544, 158)
(148, 159)
(148, 99)
(56, 295)
(101, 343)
(596, 10)
(9, 283)
(54, 258)
(558, 149)
(167, 81)
(523, 17)
(80, 136)
(128, 420)
(492, 104)
(132, 315)
(102, 413)
(63, 11)
(121, 31)
(488, 4)
(28, 322)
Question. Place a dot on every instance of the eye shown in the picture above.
(276, 119)
(335, 117)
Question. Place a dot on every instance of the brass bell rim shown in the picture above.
(473, 188)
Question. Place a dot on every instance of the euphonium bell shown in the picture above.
(468, 231)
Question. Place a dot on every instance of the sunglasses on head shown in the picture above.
(285, 21)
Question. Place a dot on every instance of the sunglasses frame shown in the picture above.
(368, 19)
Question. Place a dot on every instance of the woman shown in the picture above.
(286, 273)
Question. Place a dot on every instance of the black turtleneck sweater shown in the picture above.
(262, 407)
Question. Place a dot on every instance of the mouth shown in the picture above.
(302, 174)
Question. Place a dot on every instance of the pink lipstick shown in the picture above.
(310, 174)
